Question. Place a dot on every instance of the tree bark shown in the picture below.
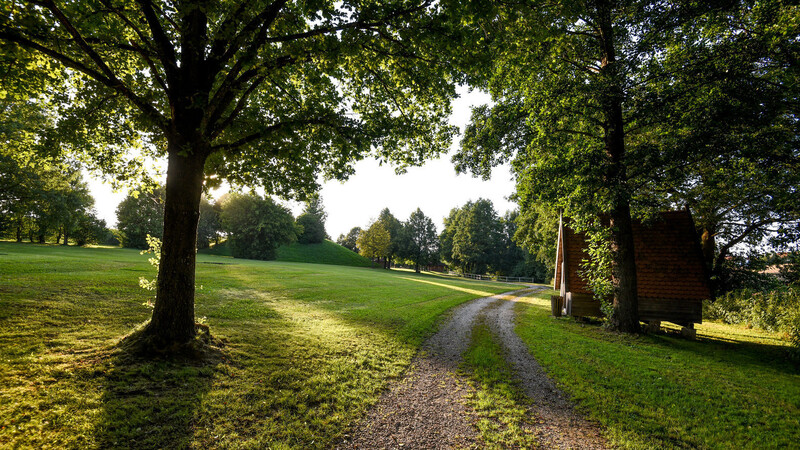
(173, 314)
(625, 317)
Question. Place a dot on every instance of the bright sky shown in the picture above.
(435, 188)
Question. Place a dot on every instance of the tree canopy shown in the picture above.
(141, 215)
(260, 93)
(350, 240)
(419, 242)
(614, 107)
(375, 242)
(312, 221)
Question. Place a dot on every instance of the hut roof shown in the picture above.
(669, 262)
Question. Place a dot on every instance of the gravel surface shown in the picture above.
(558, 425)
(426, 410)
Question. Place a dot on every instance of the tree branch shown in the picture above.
(165, 48)
(266, 132)
(113, 83)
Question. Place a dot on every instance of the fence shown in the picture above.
(476, 276)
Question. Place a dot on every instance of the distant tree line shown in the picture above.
(475, 239)
(253, 226)
(47, 203)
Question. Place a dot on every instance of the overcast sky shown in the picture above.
(434, 187)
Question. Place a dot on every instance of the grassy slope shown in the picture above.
(731, 388)
(327, 252)
(310, 348)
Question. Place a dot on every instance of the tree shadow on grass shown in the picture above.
(775, 357)
(152, 402)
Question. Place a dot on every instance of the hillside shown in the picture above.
(327, 252)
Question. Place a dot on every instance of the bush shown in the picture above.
(776, 310)
(256, 226)
(769, 311)
(794, 335)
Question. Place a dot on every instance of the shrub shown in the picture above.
(776, 310)
(256, 226)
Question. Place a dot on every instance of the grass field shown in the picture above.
(731, 388)
(326, 252)
(310, 347)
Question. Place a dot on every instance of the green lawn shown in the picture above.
(309, 348)
(731, 388)
(326, 252)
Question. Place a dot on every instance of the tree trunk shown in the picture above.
(66, 236)
(625, 317)
(58, 236)
(173, 313)
(709, 246)
(19, 233)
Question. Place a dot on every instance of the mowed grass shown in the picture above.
(326, 252)
(730, 388)
(309, 348)
(503, 420)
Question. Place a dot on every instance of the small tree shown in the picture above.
(139, 216)
(375, 242)
(350, 241)
(394, 227)
(312, 221)
(418, 240)
(256, 226)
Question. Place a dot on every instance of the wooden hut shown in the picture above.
(671, 276)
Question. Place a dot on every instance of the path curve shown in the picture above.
(426, 408)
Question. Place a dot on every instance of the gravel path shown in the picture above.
(426, 408)
(558, 425)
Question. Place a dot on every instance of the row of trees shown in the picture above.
(44, 203)
(388, 239)
(475, 239)
(254, 226)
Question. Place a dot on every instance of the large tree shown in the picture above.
(270, 93)
(583, 92)
(418, 238)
